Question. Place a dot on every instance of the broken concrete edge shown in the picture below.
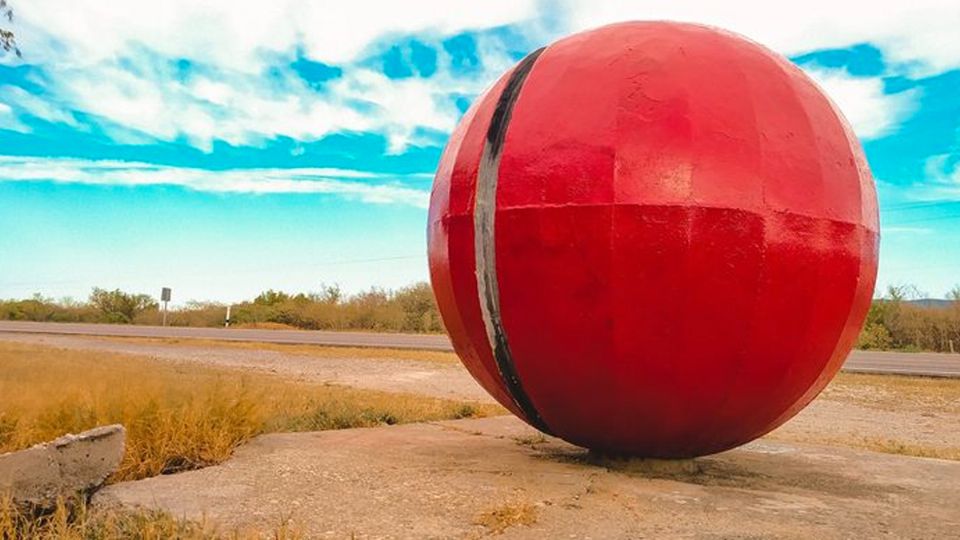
(91, 435)
(38, 477)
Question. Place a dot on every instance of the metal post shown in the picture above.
(226, 322)
(165, 298)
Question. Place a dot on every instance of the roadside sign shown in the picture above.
(165, 298)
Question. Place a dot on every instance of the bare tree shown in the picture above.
(954, 294)
(903, 292)
(8, 41)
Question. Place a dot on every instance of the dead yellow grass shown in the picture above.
(498, 519)
(315, 351)
(912, 397)
(883, 445)
(890, 446)
(77, 522)
(265, 326)
(181, 417)
(896, 393)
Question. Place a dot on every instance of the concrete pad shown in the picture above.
(72, 464)
(435, 480)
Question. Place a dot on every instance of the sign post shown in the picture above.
(165, 298)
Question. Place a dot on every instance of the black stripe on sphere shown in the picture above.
(497, 131)
(484, 225)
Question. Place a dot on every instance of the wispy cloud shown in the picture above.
(907, 230)
(244, 36)
(10, 120)
(921, 33)
(244, 109)
(35, 106)
(941, 182)
(356, 185)
(945, 168)
(124, 67)
(872, 112)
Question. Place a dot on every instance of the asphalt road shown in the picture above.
(926, 364)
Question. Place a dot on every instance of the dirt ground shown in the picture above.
(844, 467)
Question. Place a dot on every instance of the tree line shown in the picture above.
(409, 309)
(901, 320)
(897, 321)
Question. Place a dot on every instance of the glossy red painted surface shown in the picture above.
(685, 240)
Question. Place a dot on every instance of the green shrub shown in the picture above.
(874, 336)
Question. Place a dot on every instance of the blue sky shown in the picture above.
(222, 149)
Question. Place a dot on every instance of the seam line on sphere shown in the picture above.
(485, 240)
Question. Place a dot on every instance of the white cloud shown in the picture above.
(942, 180)
(21, 102)
(120, 66)
(377, 189)
(939, 170)
(339, 31)
(937, 186)
(241, 35)
(870, 111)
(920, 31)
(115, 59)
(9, 120)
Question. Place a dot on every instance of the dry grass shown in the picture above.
(313, 351)
(884, 445)
(77, 522)
(896, 393)
(498, 519)
(890, 446)
(182, 417)
(904, 402)
(265, 326)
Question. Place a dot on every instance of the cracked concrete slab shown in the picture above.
(71, 464)
(435, 480)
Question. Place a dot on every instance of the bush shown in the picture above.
(900, 321)
(874, 336)
(43, 309)
(410, 309)
(419, 308)
(117, 306)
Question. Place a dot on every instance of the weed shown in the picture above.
(502, 517)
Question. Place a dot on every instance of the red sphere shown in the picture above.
(653, 238)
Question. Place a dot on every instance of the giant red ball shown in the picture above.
(653, 238)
